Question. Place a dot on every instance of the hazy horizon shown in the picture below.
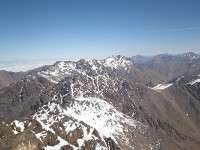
(28, 64)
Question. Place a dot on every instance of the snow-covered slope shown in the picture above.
(87, 114)
(60, 70)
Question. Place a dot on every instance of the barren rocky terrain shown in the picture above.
(111, 104)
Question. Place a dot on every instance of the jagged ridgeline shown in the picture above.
(118, 103)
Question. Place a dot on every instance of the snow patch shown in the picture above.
(41, 135)
(61, 143)
(162, 86)
(45, 119)
(116, 61)
(100, 147)
(18, 126)
(194, 82)
(70, 126)
(80, 142)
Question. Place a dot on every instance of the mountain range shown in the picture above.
(117, 103)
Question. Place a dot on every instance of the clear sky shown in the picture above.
(43, 29)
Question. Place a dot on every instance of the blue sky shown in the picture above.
(49, 29)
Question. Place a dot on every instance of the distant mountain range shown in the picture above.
(116, 103)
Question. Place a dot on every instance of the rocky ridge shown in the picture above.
(99, 104)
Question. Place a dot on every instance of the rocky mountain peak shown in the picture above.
(83, 67)
(117, 61)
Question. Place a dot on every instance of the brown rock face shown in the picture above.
(7, 78)
(66, 147)
(74, 135)
(26, 141)
(6, 136)
(111, 144)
